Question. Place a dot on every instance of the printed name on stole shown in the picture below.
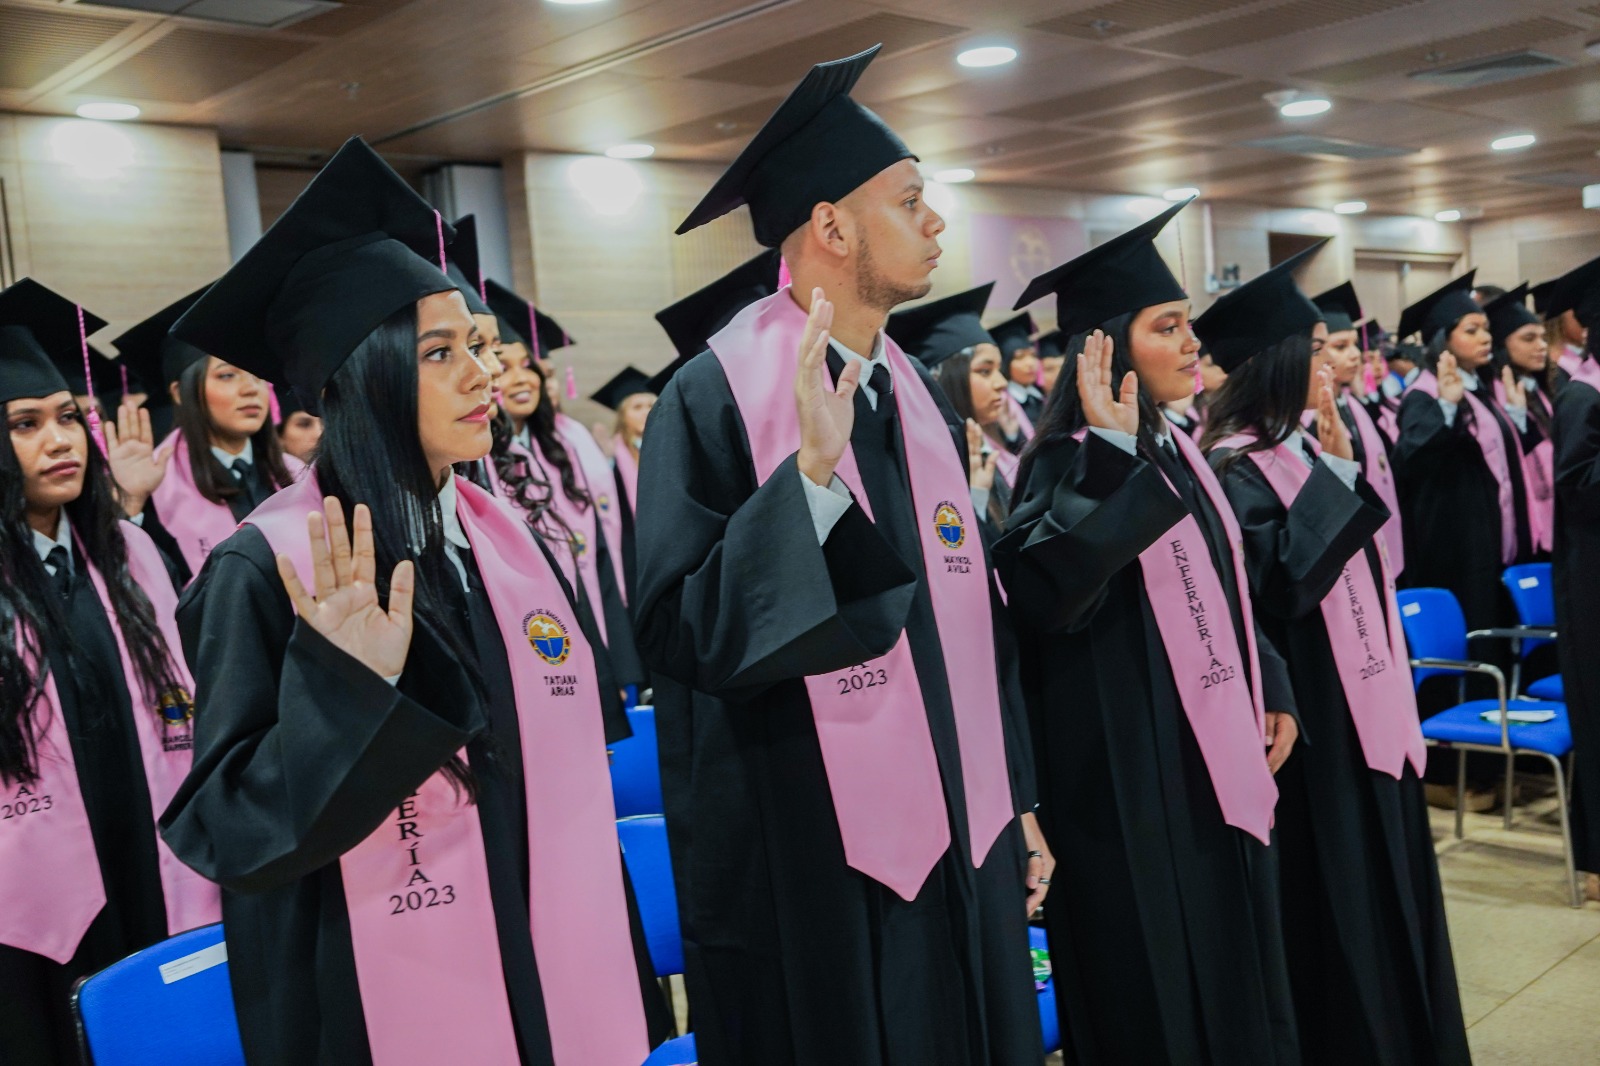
(415, 898)
(562, 684)
(1219, 672)
(957, 564)
(1375, 664)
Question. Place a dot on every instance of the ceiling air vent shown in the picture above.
(261, 14)
(1561, 179)
(1475, 72)
(1305, 144)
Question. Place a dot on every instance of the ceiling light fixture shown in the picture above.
(106, 111)
(574, 3)
(954, 176)
(1350, 207)
(1513, 142)
(1448, 216)
(996, 55)
(631, 151)
(1185, 193)
(1315, 105)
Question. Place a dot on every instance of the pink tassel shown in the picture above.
(438, 225)
(533, 333)
(785, 278)
(273, 406)
(572, 384)
(1199, 379)
(483, 290)
(1369, 380)
(93, 416)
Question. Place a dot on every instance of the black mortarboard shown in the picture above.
(1052, 344)
(1440, 309)
(464, 267)
(934, 331)
(514, 314)
(628, 381)
(152, 352)
(1543, 294)
(1509, 313)
(1013, 335)
(1340, 308)
(1372, 334)
(41, 347)
(353, 249)
(1265, 310)
(818, 146)
(693, 320)
(1578, 291)
(1121, 276)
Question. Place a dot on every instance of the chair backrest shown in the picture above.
(636, 767)
(168, 1005)
(644, 849)
(1435, 628)
(1533, 595)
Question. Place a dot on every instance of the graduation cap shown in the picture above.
(522, 323)
(1121, 276)
(694, 320)
(818, 146)
(628, 382)
(463, 265)
(934, 331)
(42, 343)
(1372, 334)
(1013, 335)
(1543, 294)
(1509, 313)
(1340, 308)
(1440, 309)
(1265, 310)
(353, 249)
(1578, 291)
(154, 354)
(1052, 345)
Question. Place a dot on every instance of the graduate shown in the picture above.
(401, 784)
(1566, 334)
(1155, 749)
(1518, 376)
(842, 775)
(628, 395)
(224, 456)
(1463, 504)
(1019, 362)
(1364, 924)
(1357, 400)
(299, 430)
(95, 712)
(1052, 349)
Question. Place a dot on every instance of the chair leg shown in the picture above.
(1575, 894)
(1461, 788)
(1511, 786)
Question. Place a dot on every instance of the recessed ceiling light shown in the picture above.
(1515, 141)
(1350, 207)
(631, 151)
(1448, 216)
(1305, 106)
(997, 55)
(108, 112)
(1185, 193)
(954, 176)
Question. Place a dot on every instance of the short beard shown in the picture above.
(877, 292)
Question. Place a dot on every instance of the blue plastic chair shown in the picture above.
(636, 767)
(1048, 1021)
(1533, 595)
(644, 849)
(676, 1052)
(1436, 632)
(168, 1005)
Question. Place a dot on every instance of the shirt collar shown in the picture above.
(63, 538)
(227, 460)
(1469, 380)
(453, 533)
(1023, 392)
(878, 357)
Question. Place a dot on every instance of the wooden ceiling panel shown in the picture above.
(1490, 94)
(786, 63)
(1187, 109)
(1122, 17)
(349, 16)
(1280, 20)
(189, 65)
(1446, 52)
(1128, 93)
(36, 44)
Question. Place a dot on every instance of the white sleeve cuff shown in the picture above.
(1447, 409)
(980, 501)
(1347, 469)
(1126, 441)
(826, 504)
(1519, 415)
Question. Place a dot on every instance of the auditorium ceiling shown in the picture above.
(1125, 96)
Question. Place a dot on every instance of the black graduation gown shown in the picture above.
(282, 786)
(36, 1026)
(1163, 919)
(1575, 431)
(793, 958)
(1364, 925)
(630, 566)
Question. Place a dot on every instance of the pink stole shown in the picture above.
(876, 746)
(197, 524)
(1378, 473)
(1202, 647)
(421, 919)
(49, 870)
(1588, 372)
(578, 560)
(1023, 421)
(1571, 359)
(1538, 478)
(1486, 431)
(1006, 463)
(596, 470)
(628, 468)
(1374, 671)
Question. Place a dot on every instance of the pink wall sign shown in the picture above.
(1014, 249)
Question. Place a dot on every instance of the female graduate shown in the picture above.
(94, 700)
(1463, 504)
(298, 429)
(406, 785)
(1160, 713)
(1364, 925)
(628, 394)
(1518, 377)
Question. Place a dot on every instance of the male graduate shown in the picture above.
(843, 772)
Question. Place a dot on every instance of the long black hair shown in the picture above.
(192, 418)
(1265, 397)
(524, 482)
(1545, 380)
(30, 607)
(370, 453)
(954, 375)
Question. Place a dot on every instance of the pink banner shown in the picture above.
(1013, 250)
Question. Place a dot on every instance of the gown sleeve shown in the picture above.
(1083, 511)
(735, 593)
(1427, 443)
(300, 750)
(1575, 431)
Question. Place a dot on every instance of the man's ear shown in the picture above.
(829, 227)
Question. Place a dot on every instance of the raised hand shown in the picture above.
(1516, 394)
(827, 415)
(1331, 431)
(980, 467)
(1449, 375)
(136, 466)
(345, 608)
(1103, 406)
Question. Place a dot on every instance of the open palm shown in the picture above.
(827, 413)
(1105, 405)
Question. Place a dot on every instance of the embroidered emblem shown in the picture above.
(547, 635)
(176, 709)
(949, 525)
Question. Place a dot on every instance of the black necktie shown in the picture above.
(243, 473)
(880, 381)
(62, 562)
